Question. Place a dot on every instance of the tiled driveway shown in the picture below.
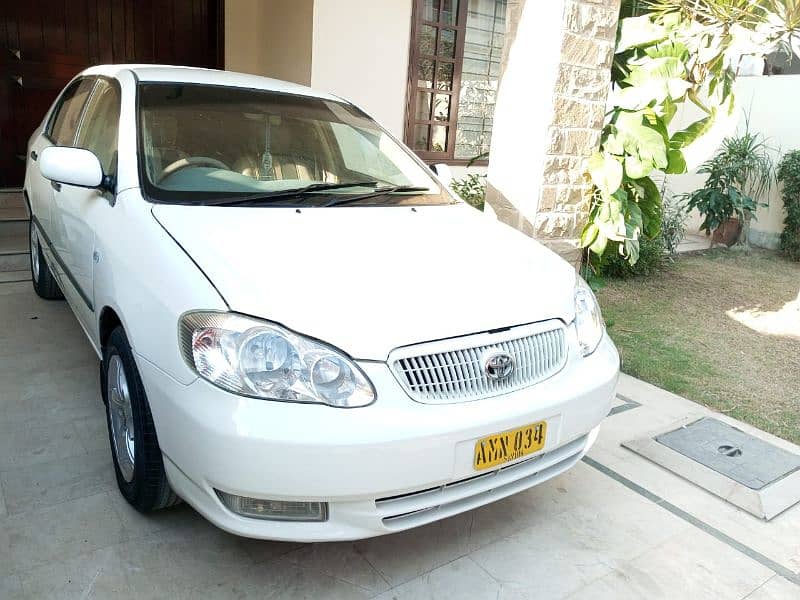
(592, 533)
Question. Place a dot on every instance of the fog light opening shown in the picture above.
(274, 510)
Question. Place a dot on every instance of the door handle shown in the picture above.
(34, 156)
(56, 186)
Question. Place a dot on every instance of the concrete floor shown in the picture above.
(616, 526)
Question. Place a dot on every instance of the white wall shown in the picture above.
(269, 37)
(360, 52)
(770, 103)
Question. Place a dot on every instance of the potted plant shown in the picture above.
(739, 174)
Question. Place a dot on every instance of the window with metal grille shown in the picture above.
(454, 70)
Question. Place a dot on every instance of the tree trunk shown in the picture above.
(743, 243)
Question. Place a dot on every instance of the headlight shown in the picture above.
(260, 359)
(588, 320)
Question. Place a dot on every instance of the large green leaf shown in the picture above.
(643, 143)
(683, 138)
(635, 32)
(650, 204)
(606, 173)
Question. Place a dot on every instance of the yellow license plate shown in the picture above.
(510, 445)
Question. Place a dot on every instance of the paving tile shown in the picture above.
(171, 564)
(21, 447)
(8, 289)
(777, 588)
(37, 486)
(400, 557)
(68, 529)
(692, 564)
(558, 555)
(11, 588)
(542, 562)
(776, 539)
(180, 518)
(3, 509)
(281, 579)
(341, 560)
(48, 397)
(462, 579)
(93, 433)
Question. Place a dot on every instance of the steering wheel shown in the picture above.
(191, 161)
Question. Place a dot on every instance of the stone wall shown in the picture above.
(557, 57)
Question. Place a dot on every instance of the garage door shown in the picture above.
(44, 43)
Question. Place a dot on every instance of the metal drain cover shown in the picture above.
(731, 452)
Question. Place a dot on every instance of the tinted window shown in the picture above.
(100, 125)
(68, 112)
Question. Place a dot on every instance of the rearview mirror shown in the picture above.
(444, 173)
(73, 166)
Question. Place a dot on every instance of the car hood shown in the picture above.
(371, 279)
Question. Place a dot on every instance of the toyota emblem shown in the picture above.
(498, 365)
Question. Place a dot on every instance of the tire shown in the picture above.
(138, 462)
(44, 284)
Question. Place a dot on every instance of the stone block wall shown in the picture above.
(567, 77)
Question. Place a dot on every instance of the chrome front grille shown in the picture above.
(455, 370)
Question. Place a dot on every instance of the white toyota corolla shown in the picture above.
(302, 332)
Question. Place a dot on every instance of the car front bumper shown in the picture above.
(387, 467)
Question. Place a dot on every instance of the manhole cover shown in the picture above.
(731, 452)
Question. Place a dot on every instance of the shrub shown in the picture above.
(789, 175)
(673, 224)
(651, 260)
(472, 189)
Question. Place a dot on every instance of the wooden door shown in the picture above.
(44, 43)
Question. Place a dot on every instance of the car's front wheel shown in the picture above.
(137, 456)
(44, 284)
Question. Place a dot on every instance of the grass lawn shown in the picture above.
(720, 328)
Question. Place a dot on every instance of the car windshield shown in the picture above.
(217, 145)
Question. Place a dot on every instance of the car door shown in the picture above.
(59, 129)
(79, 211)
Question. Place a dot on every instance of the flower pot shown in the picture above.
(727, 233)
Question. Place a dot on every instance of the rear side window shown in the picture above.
(68, 112)
(100, 125)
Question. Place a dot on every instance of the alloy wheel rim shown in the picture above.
(121, 413)
(34, 254)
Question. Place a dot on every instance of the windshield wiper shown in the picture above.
(314, 187)
(377, 192)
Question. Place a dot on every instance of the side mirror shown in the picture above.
(73, 166)
(443, 172)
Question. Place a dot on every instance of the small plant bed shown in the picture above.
(684, 330)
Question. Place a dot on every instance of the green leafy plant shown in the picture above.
(789, 175)
(739, 174)
(652, 259)
(673, 223)
(472, 189)
(681, 51)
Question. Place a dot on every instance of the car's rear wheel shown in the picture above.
(137, 456)
(44, 284)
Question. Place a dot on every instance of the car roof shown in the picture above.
(181, 74)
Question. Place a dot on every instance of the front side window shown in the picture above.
(100, 125)
(65, 119)
(454, 68)
(203, 143)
